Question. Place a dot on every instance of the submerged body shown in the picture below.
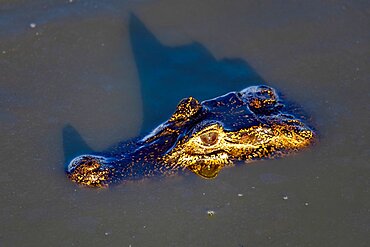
(203, 138)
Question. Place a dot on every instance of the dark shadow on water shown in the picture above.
(73, 143)
(168, 74)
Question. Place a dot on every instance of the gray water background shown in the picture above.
(76, 67)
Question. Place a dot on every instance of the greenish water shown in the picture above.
(76, 65)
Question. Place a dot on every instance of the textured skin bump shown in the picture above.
(203, 138)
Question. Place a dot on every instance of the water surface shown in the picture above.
(87, 65)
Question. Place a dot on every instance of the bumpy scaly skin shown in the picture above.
(203, 138)
(246, 144)
(89, 172)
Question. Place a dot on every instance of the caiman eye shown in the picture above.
(209, 138)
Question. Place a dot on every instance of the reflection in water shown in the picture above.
(168, 74)
(73, 143)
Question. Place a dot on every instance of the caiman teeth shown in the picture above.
(220, 158)
(205, 157)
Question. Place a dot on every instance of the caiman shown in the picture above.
(202, 137)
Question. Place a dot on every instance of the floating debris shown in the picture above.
(306, 203)
(32, 25)
(211, 213)
(240, 194)
(285, 197)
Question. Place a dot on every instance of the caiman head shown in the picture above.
(250, 124)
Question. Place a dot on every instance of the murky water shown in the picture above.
(115, 69)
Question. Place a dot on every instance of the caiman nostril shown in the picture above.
(88, 170)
